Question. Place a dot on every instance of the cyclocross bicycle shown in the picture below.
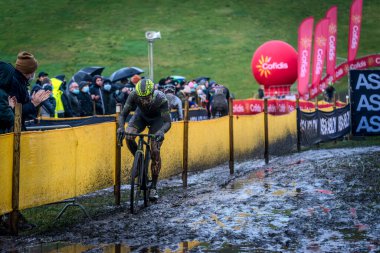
(139, 177)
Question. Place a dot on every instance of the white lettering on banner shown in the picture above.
(304, 63)
(291, 108)
(358, 65)
(331, 48)
(282, 108)
(377, 60)
(328, 126)
(373, 82)
(275, 65)
(344, 121)
(238, 108)
(255, 108)
(373, 104)
(339, 72)
(371, 126)
(318, 69)
(271, 108)
(307, 125)
(355, 37)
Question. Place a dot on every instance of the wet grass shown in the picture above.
(44, 217)
(363, 141)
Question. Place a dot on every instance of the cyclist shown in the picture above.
(152, 111)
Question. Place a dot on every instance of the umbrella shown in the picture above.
(93, 70)
(86, 74)
(178, 78)
(202, 78)
(125, 73)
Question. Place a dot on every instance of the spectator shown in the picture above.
(84, 98)
(13, 88)
(109, 97)
(126, 89)
(97, 94)
(59, 87)
(202, 96)
(260, 93)
(135, 79)
(48, 106)
(219, 100)
(38, 85)
(70, 101)
(174, 102)
(329, 93)
(184, 94)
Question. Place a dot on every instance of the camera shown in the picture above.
(151, 35)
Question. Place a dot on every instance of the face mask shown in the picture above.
(75, 91)
(107, 87)
(85, 89)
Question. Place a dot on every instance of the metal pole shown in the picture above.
(185, 144)
(150, 43)
(231, 135)
(14, 217)
(117, 186)
(298, 125)
(266, 138)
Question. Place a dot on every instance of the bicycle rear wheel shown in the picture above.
(136, 182)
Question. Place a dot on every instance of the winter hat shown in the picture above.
(26, 63)
(82, 84)
(135, 79)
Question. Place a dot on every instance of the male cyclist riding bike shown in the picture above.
(152, 111)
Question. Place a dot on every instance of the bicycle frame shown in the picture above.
(140, 174)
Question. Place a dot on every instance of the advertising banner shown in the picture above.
(275, 106)
(322, 126)
(355, 27)
(365, 102)
(305, 34)
(332, 15)
(319, 54)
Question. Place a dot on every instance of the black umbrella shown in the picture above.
(81, 76)
(93, 70)
(86, 74)
(198, 79)
(125, 73)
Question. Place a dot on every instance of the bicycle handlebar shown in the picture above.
(141, 135)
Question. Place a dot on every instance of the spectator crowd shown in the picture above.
(56, 97)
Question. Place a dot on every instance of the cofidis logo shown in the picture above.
(266, 65)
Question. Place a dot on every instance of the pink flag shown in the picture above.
(319, 54)
(332, 14)
(305, 34)
(355, 27)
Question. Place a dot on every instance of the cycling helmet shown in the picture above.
(144, 87)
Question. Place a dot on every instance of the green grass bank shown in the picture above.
(215, 38)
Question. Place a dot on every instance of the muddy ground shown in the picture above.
(314, 201)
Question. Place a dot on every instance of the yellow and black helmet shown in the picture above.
(144, 87)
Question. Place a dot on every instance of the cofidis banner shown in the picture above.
(365, 102)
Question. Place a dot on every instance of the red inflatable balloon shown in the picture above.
(275, 64)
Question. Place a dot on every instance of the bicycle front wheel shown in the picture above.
(136, 187)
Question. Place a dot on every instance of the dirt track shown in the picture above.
(315, 201)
